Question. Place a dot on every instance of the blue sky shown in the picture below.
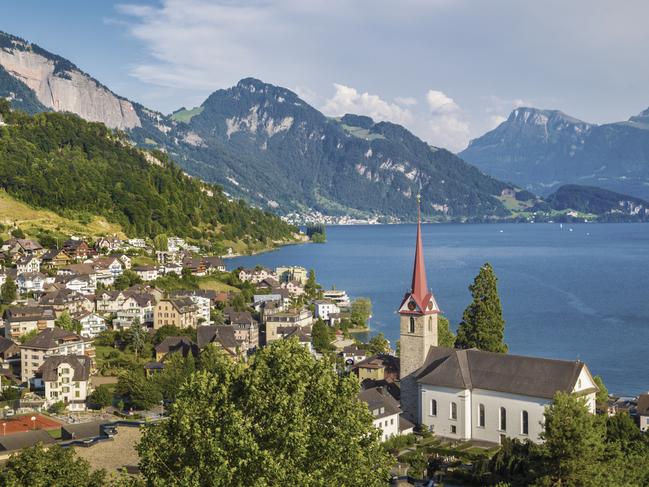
(447, 69)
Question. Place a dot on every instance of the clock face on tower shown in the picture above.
(412, 306)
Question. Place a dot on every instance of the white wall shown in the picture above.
(389, 426)
(442, 423)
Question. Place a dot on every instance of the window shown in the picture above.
(433, 407)
(391, 420)
(430, 323)
(453, 429)
(412, 325)
(481, 416)
(525, 423)
(453, 410)
(503, 419)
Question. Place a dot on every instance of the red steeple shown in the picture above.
(419, 292)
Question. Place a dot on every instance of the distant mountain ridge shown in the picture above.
(544, 149)
(263, 143)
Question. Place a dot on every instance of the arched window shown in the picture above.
(503, 419)
(412, 325)
(433, 407)
(430, 323)
(525, 423)
(481, 416)
(453, 410)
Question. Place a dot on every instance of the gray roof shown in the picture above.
(377, 398)
(79, 363)
(83, 431)
(514, 374)
(643, 404)
(51, 338)
(17, 441)
(29, 313)
(182, 344)
(222, 334)
(62, 296)
(6, 344)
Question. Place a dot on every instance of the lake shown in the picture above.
(573, 291)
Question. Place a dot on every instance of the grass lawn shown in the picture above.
(142, 260)
(102, 352)
(212, 284)
(56, 434)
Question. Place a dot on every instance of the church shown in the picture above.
(471, 394)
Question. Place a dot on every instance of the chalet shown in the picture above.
(50, 342)
(180, 312)
(178, 344)
(213, 264)
(66, 378)
(107, 268)
(76, 248)
(67, 300)
(146, 272)
(55, 258)
(267, 284)
(196, 265)
(20, 320)
(125, 260)
(21, 246)
(92, 324)
(222, 336)
(28, 263)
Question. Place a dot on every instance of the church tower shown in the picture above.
(418, 320)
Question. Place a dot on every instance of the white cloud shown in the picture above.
(439, 102)
(349, 100)
(447, 126)
(406, 100)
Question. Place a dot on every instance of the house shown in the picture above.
(172, 268)
(182, 344)
(17, 441)
(486, 396)
(50, 342)
(472, 394)
(67, 300)
(87, 431)
(146, 272)
(246, 328)
(92, 324)
(337, 296)
(108, 244)
(195, 265)
(135, 306)
(108, 268)
(55, 258)
(301, 333)
(273, 319)
(66, 378)
(175, 244)
(80, 283)
(213, 264)
(351, 354)
(138, 243)
(20, 320)
(109, 302)
(256, 275)
(125, 260)
(9, 354)
(378, 367)
(260, 301)
(28, 263)
(222, 336)
(643, 411)
(76, 248)
(324, 308)
(21, 246)
(31, 282)
(267, 284)
(203, 299)
(385, 411)
(292, 273)
(180, 312)
(294, 288)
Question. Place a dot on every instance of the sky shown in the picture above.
(449, 70)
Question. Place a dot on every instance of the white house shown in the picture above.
(66, 378)
(92, 324)
(146, 272)
(324, 308)
(135, 306)
(385, 410)
(28, 263)
(31, 282)
(486, 396)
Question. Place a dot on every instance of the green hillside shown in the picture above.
(61, 163)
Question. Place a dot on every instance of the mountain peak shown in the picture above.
(537, 116)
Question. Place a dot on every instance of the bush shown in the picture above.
(57, 407)
(101, 397)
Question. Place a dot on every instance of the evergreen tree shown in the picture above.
(361, 312)
(378, 344)
(602, 394)
(136, 336)
(445, 336)
(285, 419)
(322, 336)
(8, 291)
(482, 324)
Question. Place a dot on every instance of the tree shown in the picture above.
(161, 242)
(8, 291)
(57, 408)
(40, 467)
(65, 322)
(602, 394)
(378, 344)
(482, 323)
(238, 303)
(361, 312)
(176, 371)
(285, 419)
(18, 233)
(311, 287)
(102, 396)
(126, 279)
(445, 337)
(172, 331)
(136, 336)
(137, 391)
(574, 442)
(322, 336)
(29, 335)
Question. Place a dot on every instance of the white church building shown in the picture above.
(471, 394)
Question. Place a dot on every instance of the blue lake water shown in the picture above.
(566, 294)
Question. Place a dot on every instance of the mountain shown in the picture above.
(544, 149)
(82, 170)
(608, 205)
(265, 144)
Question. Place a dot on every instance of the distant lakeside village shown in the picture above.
(94, 331)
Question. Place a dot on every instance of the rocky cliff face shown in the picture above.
(543, 149)
(60, 86)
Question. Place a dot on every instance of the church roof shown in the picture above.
(514, 374)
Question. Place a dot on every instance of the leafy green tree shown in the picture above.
(482, 324)
(137, 391)
(65, 322)
(161, 242)
(445, 336)
(378, 344)
(269, 423)
(102, 396)
(18, 233)
(55, 466)
(574, 442)
(127, 279)
(216, 315)
(311, 287)
(602, 394)
(361, 312)
(57, 408)
(136, 336)
(28, 336)
(322, 336)
(176, 371)
(172, 331)
(8, 291)
(238, 302)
